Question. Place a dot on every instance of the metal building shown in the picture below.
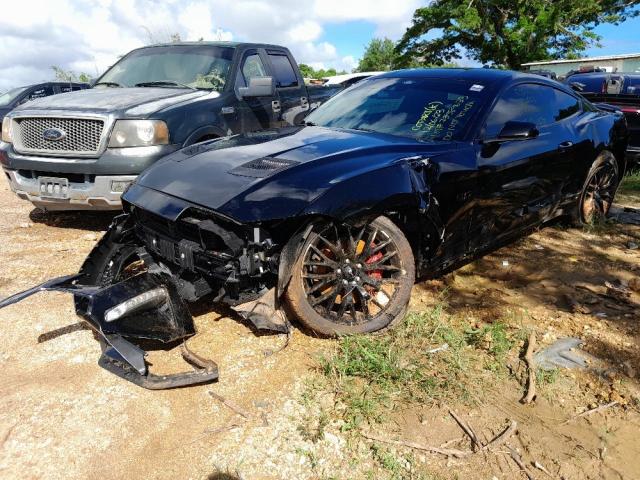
(611, 63)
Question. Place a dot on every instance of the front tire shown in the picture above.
(350, 280)
(110, 261)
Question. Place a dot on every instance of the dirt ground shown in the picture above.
(63, 417)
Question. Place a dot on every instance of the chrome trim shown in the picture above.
(108, 122)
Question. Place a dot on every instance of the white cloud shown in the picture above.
(307, 31)
(90, 35)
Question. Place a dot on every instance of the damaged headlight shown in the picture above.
(139, 133)
(149, 299)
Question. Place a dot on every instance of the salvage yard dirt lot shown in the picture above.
(319, 408)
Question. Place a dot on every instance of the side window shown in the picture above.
(565, 105)
(40, 92)
(253, 67)
(283, 70)
(521, 103)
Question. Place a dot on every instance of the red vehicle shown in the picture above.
(621, 90)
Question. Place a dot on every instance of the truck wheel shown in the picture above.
(599, 190)
(350, 280)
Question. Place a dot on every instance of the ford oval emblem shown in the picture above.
(54, 134)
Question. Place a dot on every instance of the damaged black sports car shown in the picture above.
(402, 176)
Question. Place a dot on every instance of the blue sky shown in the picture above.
(618, 39)
(351, 38)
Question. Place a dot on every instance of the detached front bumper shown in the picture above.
(95, 193)
(125, 312)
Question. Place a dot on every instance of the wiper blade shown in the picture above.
(161, 83)
(108, 84)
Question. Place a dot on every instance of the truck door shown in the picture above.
(256, 113)
(292, 92)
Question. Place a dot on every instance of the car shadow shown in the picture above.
(92, 221)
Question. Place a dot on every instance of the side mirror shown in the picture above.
(258, 87)
(517, 131)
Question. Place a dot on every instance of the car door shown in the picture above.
(292, 92)
(255, 113)
(514, 175)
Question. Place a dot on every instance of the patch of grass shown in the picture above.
(629, 191)
(396, 467)
(371, 374)
(547, 377)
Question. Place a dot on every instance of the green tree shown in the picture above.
(69, 75)
(309, 72)
(507, 32)
(380, 55)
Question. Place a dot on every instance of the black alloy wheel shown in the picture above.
(352, 279)
(599, 190)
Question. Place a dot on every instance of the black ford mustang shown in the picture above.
(399, 177)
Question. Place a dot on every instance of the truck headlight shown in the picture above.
(138, 133)
(6, 129)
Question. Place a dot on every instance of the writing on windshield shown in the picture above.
(421, 108)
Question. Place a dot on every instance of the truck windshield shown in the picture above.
(8, 98)
(178, 66)
(424, 109)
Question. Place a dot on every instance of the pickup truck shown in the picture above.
(620, 90)
(81, 150)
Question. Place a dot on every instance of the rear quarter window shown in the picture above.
(565, 105)
(283, 71)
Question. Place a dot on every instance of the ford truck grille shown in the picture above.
(80, 135)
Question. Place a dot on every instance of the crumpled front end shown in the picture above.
(144, 307)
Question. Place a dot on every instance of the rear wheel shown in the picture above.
(351, 280)
(599, 190)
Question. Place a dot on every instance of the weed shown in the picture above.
(312, 426)
(547, 377)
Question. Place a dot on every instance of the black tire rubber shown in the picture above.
(299, 306)
(105, 262)
(604, 157)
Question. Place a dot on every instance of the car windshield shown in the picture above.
(9, 97)
(182, 66)
(424, 109)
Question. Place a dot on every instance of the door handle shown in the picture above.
(565, 145)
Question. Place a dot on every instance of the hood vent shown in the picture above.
(262, 167)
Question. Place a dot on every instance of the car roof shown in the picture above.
(481, 75)
(349, 76)
(214, 44)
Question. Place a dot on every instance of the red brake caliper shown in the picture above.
(377, 274)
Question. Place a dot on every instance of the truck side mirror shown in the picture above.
(258, 87)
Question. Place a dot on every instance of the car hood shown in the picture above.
(273, 174)
(109, 100)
